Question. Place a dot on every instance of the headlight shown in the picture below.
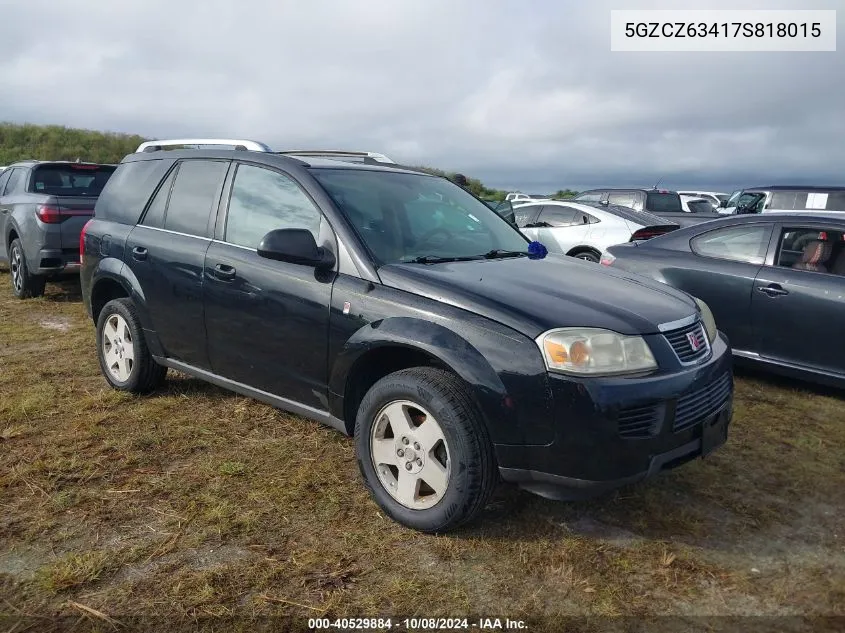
(707, 318)
(588, 352)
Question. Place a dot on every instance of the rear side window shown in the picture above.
(15, 183)
(700, 206)
(663, 202)
(264, 200)
(79, 180)
(195, 193)
(736, 243)
(129, 189)
(590, 196)
(155, 213)
(4, 176)
(803, 200)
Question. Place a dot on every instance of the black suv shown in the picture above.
(396, 306)
(662, 202)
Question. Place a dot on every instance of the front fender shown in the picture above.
(508, 383)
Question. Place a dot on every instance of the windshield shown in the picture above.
(410, 217)
(663, 202)
(70, 179)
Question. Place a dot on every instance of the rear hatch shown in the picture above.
(662, 201)
(73, 189)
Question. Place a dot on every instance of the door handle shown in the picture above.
(139, 253)
(224, 272)
(773, 290)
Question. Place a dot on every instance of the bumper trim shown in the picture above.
(561, 488)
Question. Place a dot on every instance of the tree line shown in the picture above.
(56, 142)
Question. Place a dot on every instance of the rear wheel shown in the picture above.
(24, 284)
(423, 449)
(125, 360)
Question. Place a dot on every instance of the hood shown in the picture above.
(532, 296)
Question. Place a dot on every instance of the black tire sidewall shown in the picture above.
(588, 256)
(460, 443)
(119, 307)
(31, 286)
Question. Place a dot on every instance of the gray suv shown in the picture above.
(43, 206)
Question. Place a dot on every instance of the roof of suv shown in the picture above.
(796, 188)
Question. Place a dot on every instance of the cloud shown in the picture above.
(521, 94)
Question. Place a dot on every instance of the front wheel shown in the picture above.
(125, 360)
(423, 449)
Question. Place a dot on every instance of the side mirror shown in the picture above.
(295, 246)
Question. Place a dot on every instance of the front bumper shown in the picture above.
(616, 431)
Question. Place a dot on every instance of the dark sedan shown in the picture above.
(775, 283)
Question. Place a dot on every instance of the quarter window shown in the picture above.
(155, 213)
(623, 199)
(15, 183)
(737, 243)
(590, 196)
(264, 200)
(4, 176)
(195, 193)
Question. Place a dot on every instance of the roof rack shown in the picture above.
(340, 155)
(239, 144)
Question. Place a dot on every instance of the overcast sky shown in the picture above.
(524, 94)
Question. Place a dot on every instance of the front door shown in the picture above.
(799, 302)
(280, 342)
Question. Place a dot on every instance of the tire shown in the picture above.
(459, 462)
(120, 339)
(24, 284)
(587, 255)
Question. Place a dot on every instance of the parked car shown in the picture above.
(396, 307)
(43, 205)
(692, 204)
(714, 197)
(775, 283)
(666, 204)
(785, 198)
(516, 196)
(585, 231)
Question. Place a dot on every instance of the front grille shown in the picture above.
(697, 406)
(680, 341)
(637, 423)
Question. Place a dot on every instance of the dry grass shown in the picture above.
(195, 502)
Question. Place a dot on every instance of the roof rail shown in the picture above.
(239, 144)
(340, 154)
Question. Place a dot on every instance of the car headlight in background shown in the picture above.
(707, 319)
(590, 351)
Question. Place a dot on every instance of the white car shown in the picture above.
(516, 196)
(694, 204)
(583, 230)
(715, 197)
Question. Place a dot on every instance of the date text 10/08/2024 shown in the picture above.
(417, 624)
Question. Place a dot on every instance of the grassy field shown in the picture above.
(194, 502)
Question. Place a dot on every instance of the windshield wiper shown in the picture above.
(499, 253)
(436, 259)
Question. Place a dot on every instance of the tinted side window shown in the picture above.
(129, 189)
(264, 200)
(15, 183)
(557, 216)
(195, 192)
(736, 243)
(622, 198)
(527, 214)
(4, 176)
(155, 213)
(663, 202)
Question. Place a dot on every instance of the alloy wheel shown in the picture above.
(118, 348)
(16, 261)
(410, 454)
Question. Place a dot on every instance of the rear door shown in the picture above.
(166, 253)
(722, 273)
(799, 313)
(280, 343)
